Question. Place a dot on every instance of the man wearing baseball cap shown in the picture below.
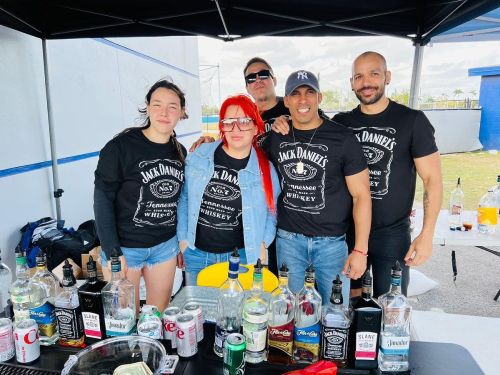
(324, 177)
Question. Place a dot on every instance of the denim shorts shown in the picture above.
(138, 257)
(327, 255)
(195, 260)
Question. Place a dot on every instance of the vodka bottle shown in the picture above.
(365, 328)
(229, 305)
(281, 321)
(395, 334)
(68, 312)
(43, 309)
(5, 283)
(254, 319)
(456, 207)
(306, 337)
(149, 324)
(22, 291)
(487, 213)
(119, 301)
(335, 323)
(91, 304)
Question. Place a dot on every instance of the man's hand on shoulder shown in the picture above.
(280, 125)
(200, 141)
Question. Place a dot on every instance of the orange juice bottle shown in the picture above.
(487, 213)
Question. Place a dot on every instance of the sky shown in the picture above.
(445, 65)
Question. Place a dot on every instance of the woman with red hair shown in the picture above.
(229, 195)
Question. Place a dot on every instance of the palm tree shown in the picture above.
(473, 93)
(457, 92)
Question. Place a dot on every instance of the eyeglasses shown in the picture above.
(263, 74)
(243, 123)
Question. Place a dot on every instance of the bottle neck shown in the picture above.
(92, 276)
(257, 285)
(336, 299)
(396, 285)
(283, 281)
(366, 293)
(21, 268)
(309, 281)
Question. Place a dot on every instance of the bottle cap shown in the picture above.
(68, 278)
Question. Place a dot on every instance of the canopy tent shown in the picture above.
(230, 20)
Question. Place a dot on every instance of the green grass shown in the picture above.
(477, 171)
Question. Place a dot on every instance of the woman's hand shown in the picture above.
(263, 254)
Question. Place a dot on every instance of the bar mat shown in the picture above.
(6, 369)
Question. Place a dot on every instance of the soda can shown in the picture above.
(169, 326)
(27, 341)
(185, 336)
(234, 354)
(194, 309)
(7, 348)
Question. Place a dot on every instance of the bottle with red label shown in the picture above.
(281, 321)
(91, 305)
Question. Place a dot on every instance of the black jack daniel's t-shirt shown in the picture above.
(314, 200)
(147, 178)
(390, 141)
(220, 222)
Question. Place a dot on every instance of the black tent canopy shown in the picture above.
(416, 20)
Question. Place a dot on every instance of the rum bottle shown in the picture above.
(456, 207)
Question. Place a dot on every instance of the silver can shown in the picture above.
(194, 309)
(7, 348)
(185, 337)
(27, 341)
(169, 326)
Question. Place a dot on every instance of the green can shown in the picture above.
(234, 354)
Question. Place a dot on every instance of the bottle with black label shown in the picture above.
(91, 304)
(68, 312)
(365, 328)
(336, 320)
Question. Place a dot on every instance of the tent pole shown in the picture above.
(52, 136)
(415, 75)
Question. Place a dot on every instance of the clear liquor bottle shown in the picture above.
(91, 305)
(255, 318)
(68, 312)
(229, 305)
(456, 207)
(281, 321)
(306, 338)
(395, 333)
(43, 308)
(365, 328)
(5, 284)
(22, 291)
(119, 301)
(335, 323)
(149, 324)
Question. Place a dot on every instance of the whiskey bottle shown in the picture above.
(365, 328)
(91, 303)
(281, 321)
(306, 336)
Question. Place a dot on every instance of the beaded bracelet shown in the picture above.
(361, 252)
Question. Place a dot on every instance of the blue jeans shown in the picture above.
(327, 254)
(195, 260)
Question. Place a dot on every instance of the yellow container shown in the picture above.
(487, 215)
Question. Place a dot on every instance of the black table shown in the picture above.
(426, 358)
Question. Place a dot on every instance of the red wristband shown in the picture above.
(361, 252)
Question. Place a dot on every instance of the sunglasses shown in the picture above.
(243, 123)
(262, 75)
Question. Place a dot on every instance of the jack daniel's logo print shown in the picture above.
(217, 209)
(161, 184)
(378, 146)
(304, 188)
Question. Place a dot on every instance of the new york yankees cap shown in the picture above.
(301, 78)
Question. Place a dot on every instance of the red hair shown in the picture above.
(251, 110)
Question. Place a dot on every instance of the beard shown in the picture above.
(379, 93)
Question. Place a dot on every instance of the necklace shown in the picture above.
(300, 165)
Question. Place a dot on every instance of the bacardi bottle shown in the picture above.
(335, 323)
(365, 328)
(43, 309)
(395, 334)
(68, 312)
(306, 338)
(119, 301)
(255, 319)
(91, 304)
(229, 305)
(456, 207)
(281, 321)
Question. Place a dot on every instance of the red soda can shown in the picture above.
(187, 346)
(194, 309)
(7, 348)
(169, 326)
(27, 341)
